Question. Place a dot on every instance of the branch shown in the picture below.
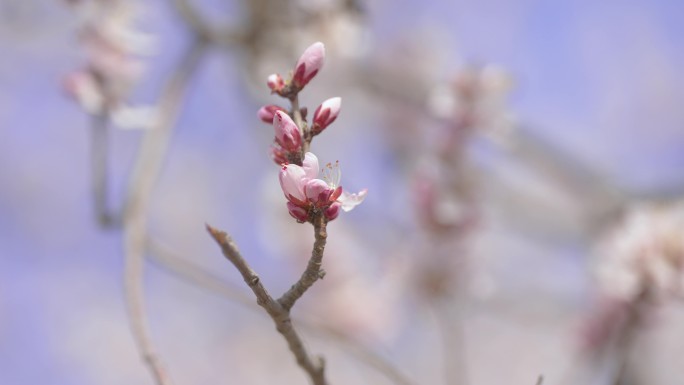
(451, 328)
(141, 185)
(194, 19)
(313, 270)
(98, 160)
(204, 279)
(279, 314)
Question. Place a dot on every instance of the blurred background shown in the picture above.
(505, 146)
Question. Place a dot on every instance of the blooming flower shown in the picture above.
(325, 114)
(307, 193)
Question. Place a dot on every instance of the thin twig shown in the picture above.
(314, 367)
(313, 271)
(205, 279)
(299, 121)
(297, 113)
(141, 186)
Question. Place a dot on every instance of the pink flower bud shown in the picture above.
(275, 82)
(298, 213)
(333, 211)
(318, 192)
(266, 113)
(325, 114)
(309, 64)
(286, 131)
(278, 155)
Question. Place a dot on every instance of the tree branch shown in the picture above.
(141, 186)
(313, 271)
(314, 367)
(204, 279)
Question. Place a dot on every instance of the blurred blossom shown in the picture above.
(644, 254)
(476, 98)
(112, 46)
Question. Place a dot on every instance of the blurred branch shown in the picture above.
(141, 186)
(451, 328)
(279, 314)
(192, 17)
(204, 279)
(99, 155)
(201, 26)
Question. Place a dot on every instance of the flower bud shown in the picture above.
(309, 64)
(275, 82)
(333, 211)
(325, 114)
(286, 132)
(318, 192)
(266, 113)
(298, 213)
(278, 155)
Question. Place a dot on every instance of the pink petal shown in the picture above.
(266, 113)
(275, 82)
(317, 191)
(298, 213)
(333, 211)
(326, 113)
(286, 131)
(310, 164)
(309, 64)
(292, 181)
(278, 155)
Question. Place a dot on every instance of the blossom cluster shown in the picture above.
(308, 196)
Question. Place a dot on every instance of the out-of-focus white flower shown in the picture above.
(644, 254)
(112, 45)
(476, 96)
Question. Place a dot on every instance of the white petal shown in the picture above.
(349, 201)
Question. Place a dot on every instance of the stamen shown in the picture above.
(332, 174)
